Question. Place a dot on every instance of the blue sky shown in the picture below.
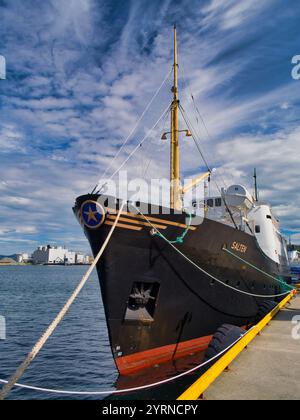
(80, 72)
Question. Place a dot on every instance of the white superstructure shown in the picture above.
(266, 229)
(237, 206)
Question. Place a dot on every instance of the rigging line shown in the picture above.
(186, 119)
(256, 268)
(187, 84)
(197, 140)
(222, 172)
(210, 138)
(151, 157)
(228, 209)
(188, 123)
(204, 271)
(249, 227)
(192, 129)
(135, 149)
(226, 205)
(134, 128)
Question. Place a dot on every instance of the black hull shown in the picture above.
(187, 306)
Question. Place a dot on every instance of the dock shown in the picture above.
(268, 369)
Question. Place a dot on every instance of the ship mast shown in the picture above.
(176, 190)
(175, 194)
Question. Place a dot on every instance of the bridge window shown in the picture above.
(210, 202)
(269, 217)
(218, 202)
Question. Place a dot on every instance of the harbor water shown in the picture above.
(77, 357)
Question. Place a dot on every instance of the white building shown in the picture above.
(56, 255)
(22, 258)
(49, 255)
(80, 258)
(70, 257)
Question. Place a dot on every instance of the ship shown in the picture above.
(294, 260)
(168, 281)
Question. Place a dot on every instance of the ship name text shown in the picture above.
(239, 247)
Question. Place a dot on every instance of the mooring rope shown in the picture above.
(204, 271)
(180, 239)
(258, 269)
(139, 388)
(44, 338)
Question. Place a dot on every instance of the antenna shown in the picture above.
(255, 186)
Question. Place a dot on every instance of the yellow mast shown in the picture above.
(175, 194)
(176, 190)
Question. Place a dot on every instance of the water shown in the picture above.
(77, 357)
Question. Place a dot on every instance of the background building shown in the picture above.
(57, 255)
(22, 258)
(81, 258)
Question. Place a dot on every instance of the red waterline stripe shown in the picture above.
(145, 359)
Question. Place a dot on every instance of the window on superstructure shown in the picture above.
(218, 202)
(210, 202)
(257, 229)
(269, 217)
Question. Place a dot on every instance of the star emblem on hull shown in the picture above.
(92, 213)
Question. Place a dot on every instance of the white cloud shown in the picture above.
(231, 14)
(26, 229)
(11, 139)
(15, 201)
(88, 80)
